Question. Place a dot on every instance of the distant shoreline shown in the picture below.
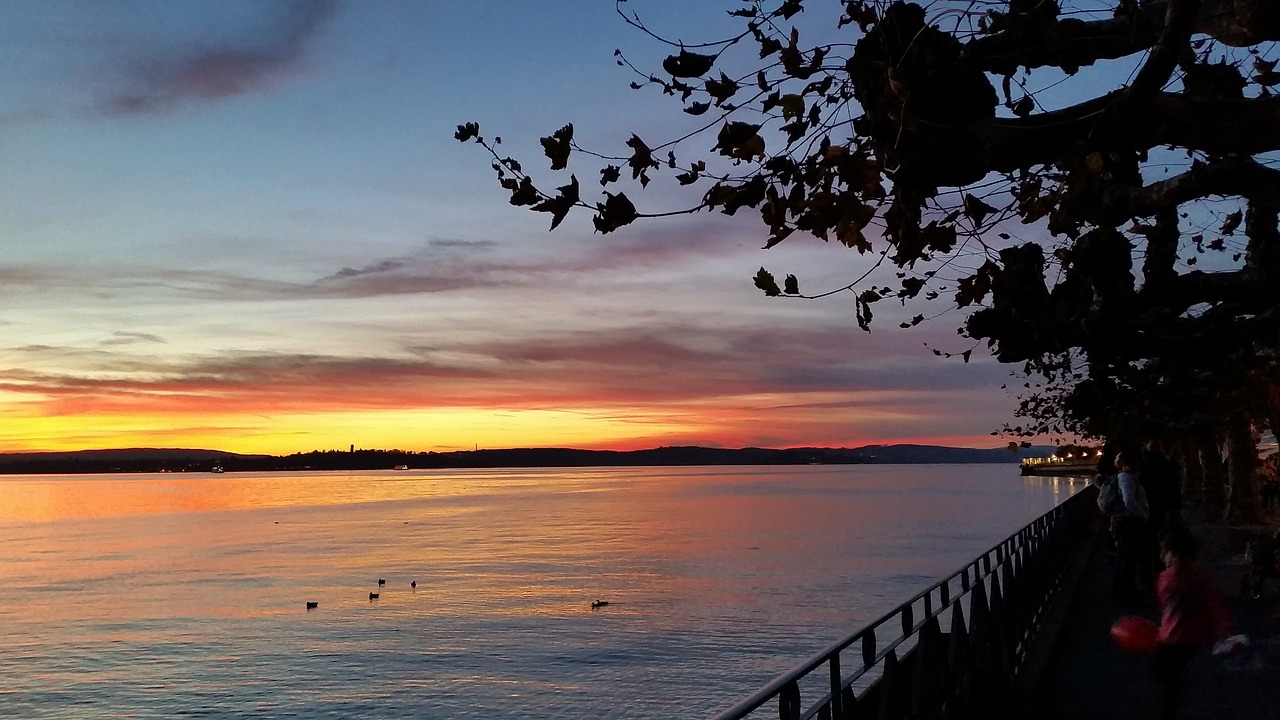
(159, 460)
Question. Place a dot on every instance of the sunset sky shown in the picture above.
(247, 226)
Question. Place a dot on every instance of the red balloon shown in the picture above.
(1135, 634)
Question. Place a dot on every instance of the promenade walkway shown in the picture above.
(1088, 677)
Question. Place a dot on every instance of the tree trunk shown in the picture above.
(1273, 408)
(1188, 455)
(1214, 487)
(1243, 504)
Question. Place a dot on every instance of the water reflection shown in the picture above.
(51, 498)
(172, 592)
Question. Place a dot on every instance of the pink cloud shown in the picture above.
(160, 82)
(626, 366)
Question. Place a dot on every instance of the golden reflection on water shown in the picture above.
(169, 578)
(487, 543)
(50, 498)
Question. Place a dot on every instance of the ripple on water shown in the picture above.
(718, 579)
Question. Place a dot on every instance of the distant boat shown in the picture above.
(217, 468)
(401, 467)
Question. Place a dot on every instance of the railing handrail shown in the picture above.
(982, 568)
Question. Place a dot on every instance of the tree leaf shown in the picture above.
(615, 212)
(911, 287)
(469, 131)
(740, 140)
(768, 46)
(557, 145)
(695, 172)
(560, 205)
(688, 65)
(777, 235)
(792, 106)
(974, 288)
(641, 157)
(1265, 72)
(722, 89)
(938, 238)
(975, 209)
(524, 193)
(764, 280)
(850, 235)
(1231, 222)
(791, 285)
(862, 313)
(732, 198)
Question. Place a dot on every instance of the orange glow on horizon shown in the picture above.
(736, 422)
(418, 430)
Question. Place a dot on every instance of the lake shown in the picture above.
(154, 596)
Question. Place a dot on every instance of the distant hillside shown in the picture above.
(127, 454)
(935, 454)
(193, 460)
(123, 460)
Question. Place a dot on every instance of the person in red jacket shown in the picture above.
(1191, 614)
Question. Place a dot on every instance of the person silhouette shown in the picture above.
(1191, 615)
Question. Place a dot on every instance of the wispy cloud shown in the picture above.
(164, 80)
(464, 244)
(629, 365)
(131, 338)
(723, 384)
(457, 265)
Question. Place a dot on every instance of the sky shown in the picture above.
(247, 226)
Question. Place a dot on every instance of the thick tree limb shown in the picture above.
(1162, 251)
(1262, 226)
(1229, 177)
(1068, 44)
(1163, 59)
(1236, 292)
(1218, 127)
(1219, 340)
(1239, 23)
(1071, 44)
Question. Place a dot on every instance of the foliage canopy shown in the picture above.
(1093, 183)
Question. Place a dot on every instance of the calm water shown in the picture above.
(155, 596)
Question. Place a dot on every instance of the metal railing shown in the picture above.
(905, 666)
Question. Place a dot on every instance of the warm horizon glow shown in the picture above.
(421, 430)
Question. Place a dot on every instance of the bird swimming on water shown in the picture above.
(312, 605)
(381, 582)
(414, 584)
(373, 596)
(599, 603)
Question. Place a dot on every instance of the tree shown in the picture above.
(1093, 183)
